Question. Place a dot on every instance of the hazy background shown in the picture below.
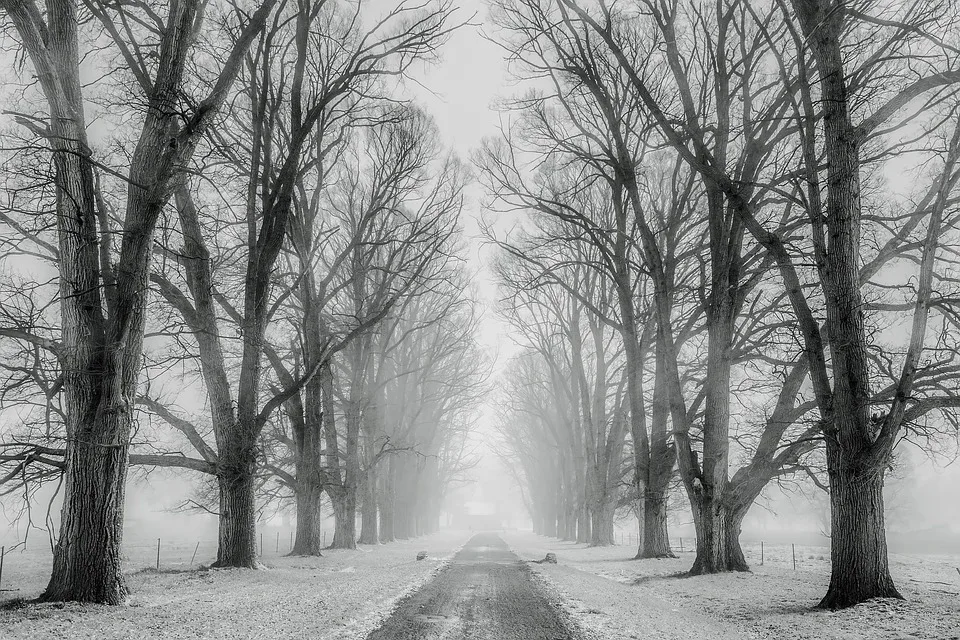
(923, 513)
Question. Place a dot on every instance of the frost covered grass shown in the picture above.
(342, 595)
(612, 596)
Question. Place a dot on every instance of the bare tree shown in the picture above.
(288, 125)
(102, 295)
(836, 124)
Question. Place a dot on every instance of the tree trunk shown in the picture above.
(858, 549)
(734, 550)
(655, 539)
(369, 531)
(583, 524)
(715, 529)
(345, 520)
(601, 533)
(87, 557)
(552, 522)
(570, 532)
(655, 542)
(309, 537)
(386, 502)
(238, 530)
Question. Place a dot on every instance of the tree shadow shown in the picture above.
(667, 576)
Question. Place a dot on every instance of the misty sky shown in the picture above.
(461, 92)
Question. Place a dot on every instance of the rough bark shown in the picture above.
(237, 539)
(309, 533)
(345, 520)
(858, 546)
(102, 305)
(655, 541)
(858, 554)
(87, 558)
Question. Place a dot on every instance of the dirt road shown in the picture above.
(485, 593)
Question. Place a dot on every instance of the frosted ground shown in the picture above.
(342, 595)
(346, 594)
(613, 597)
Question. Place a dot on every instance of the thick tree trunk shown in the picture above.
(858, 555)
(734, 550)
(87, 557)
(309, 536)
(345, 520)
(655, 542)
(706, 489)
(601, 533)
(858, 549)
(238, 530)
(715, 529)
(387, 530)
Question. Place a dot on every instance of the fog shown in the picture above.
(465, 95)
(502, 280)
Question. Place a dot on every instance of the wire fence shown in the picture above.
(759, 553)
(26, 567)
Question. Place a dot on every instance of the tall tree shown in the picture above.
(102, 296)
(839, 52)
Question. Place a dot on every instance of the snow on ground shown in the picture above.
(340, 596)
(613, 597)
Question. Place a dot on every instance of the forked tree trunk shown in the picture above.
(858, 543)
(87, 558)
(715, 530)
(102, 307)
(238, 530)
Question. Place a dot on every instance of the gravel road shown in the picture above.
(485, 593)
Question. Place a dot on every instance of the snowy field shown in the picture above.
(613, 597)
(342, 596)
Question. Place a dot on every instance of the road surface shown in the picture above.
(485, 593)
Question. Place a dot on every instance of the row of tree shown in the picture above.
(733, 257)
(230, 247)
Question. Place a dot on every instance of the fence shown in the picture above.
(26, 567)
(756, 553)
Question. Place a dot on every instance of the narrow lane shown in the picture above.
(485, 593)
